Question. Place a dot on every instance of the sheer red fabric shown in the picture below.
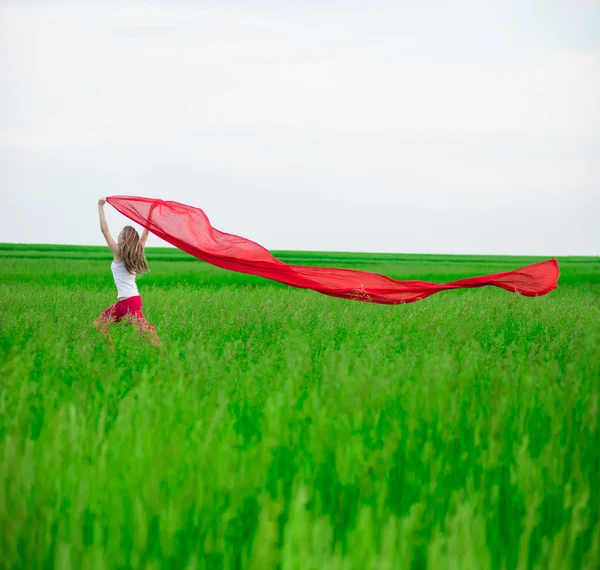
(189, 229)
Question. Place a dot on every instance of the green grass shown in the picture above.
(280, 428)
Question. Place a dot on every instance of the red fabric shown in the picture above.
(189, 229)
(130, 307)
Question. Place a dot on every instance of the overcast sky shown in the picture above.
(417, 126)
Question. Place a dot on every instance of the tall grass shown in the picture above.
(278, 428)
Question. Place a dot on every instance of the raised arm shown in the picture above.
(105, 231)
(144, 237)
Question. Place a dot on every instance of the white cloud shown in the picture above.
(74, 82)
(444, 111)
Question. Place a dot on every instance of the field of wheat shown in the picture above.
(276, 428)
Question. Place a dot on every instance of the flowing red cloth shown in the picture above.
(189, 229)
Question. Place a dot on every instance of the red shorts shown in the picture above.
(130, 308)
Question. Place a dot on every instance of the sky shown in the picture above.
(463, 126)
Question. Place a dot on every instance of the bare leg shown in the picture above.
(103, 326)
(146, 329)
(103, 322)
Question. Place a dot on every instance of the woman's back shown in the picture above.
(124, 280)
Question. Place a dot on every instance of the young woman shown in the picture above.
(129, 261)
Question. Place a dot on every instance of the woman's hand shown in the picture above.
(102, 201)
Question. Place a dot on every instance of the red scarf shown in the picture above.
(189, 229)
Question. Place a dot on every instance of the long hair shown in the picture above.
(132, 251)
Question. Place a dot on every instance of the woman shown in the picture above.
(129, 261)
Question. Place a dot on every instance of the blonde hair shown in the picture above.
(132, 251)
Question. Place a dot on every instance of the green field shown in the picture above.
(277, 428)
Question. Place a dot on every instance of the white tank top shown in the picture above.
(125, 281)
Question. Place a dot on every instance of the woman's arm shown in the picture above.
(104, 229)
(144, 237)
